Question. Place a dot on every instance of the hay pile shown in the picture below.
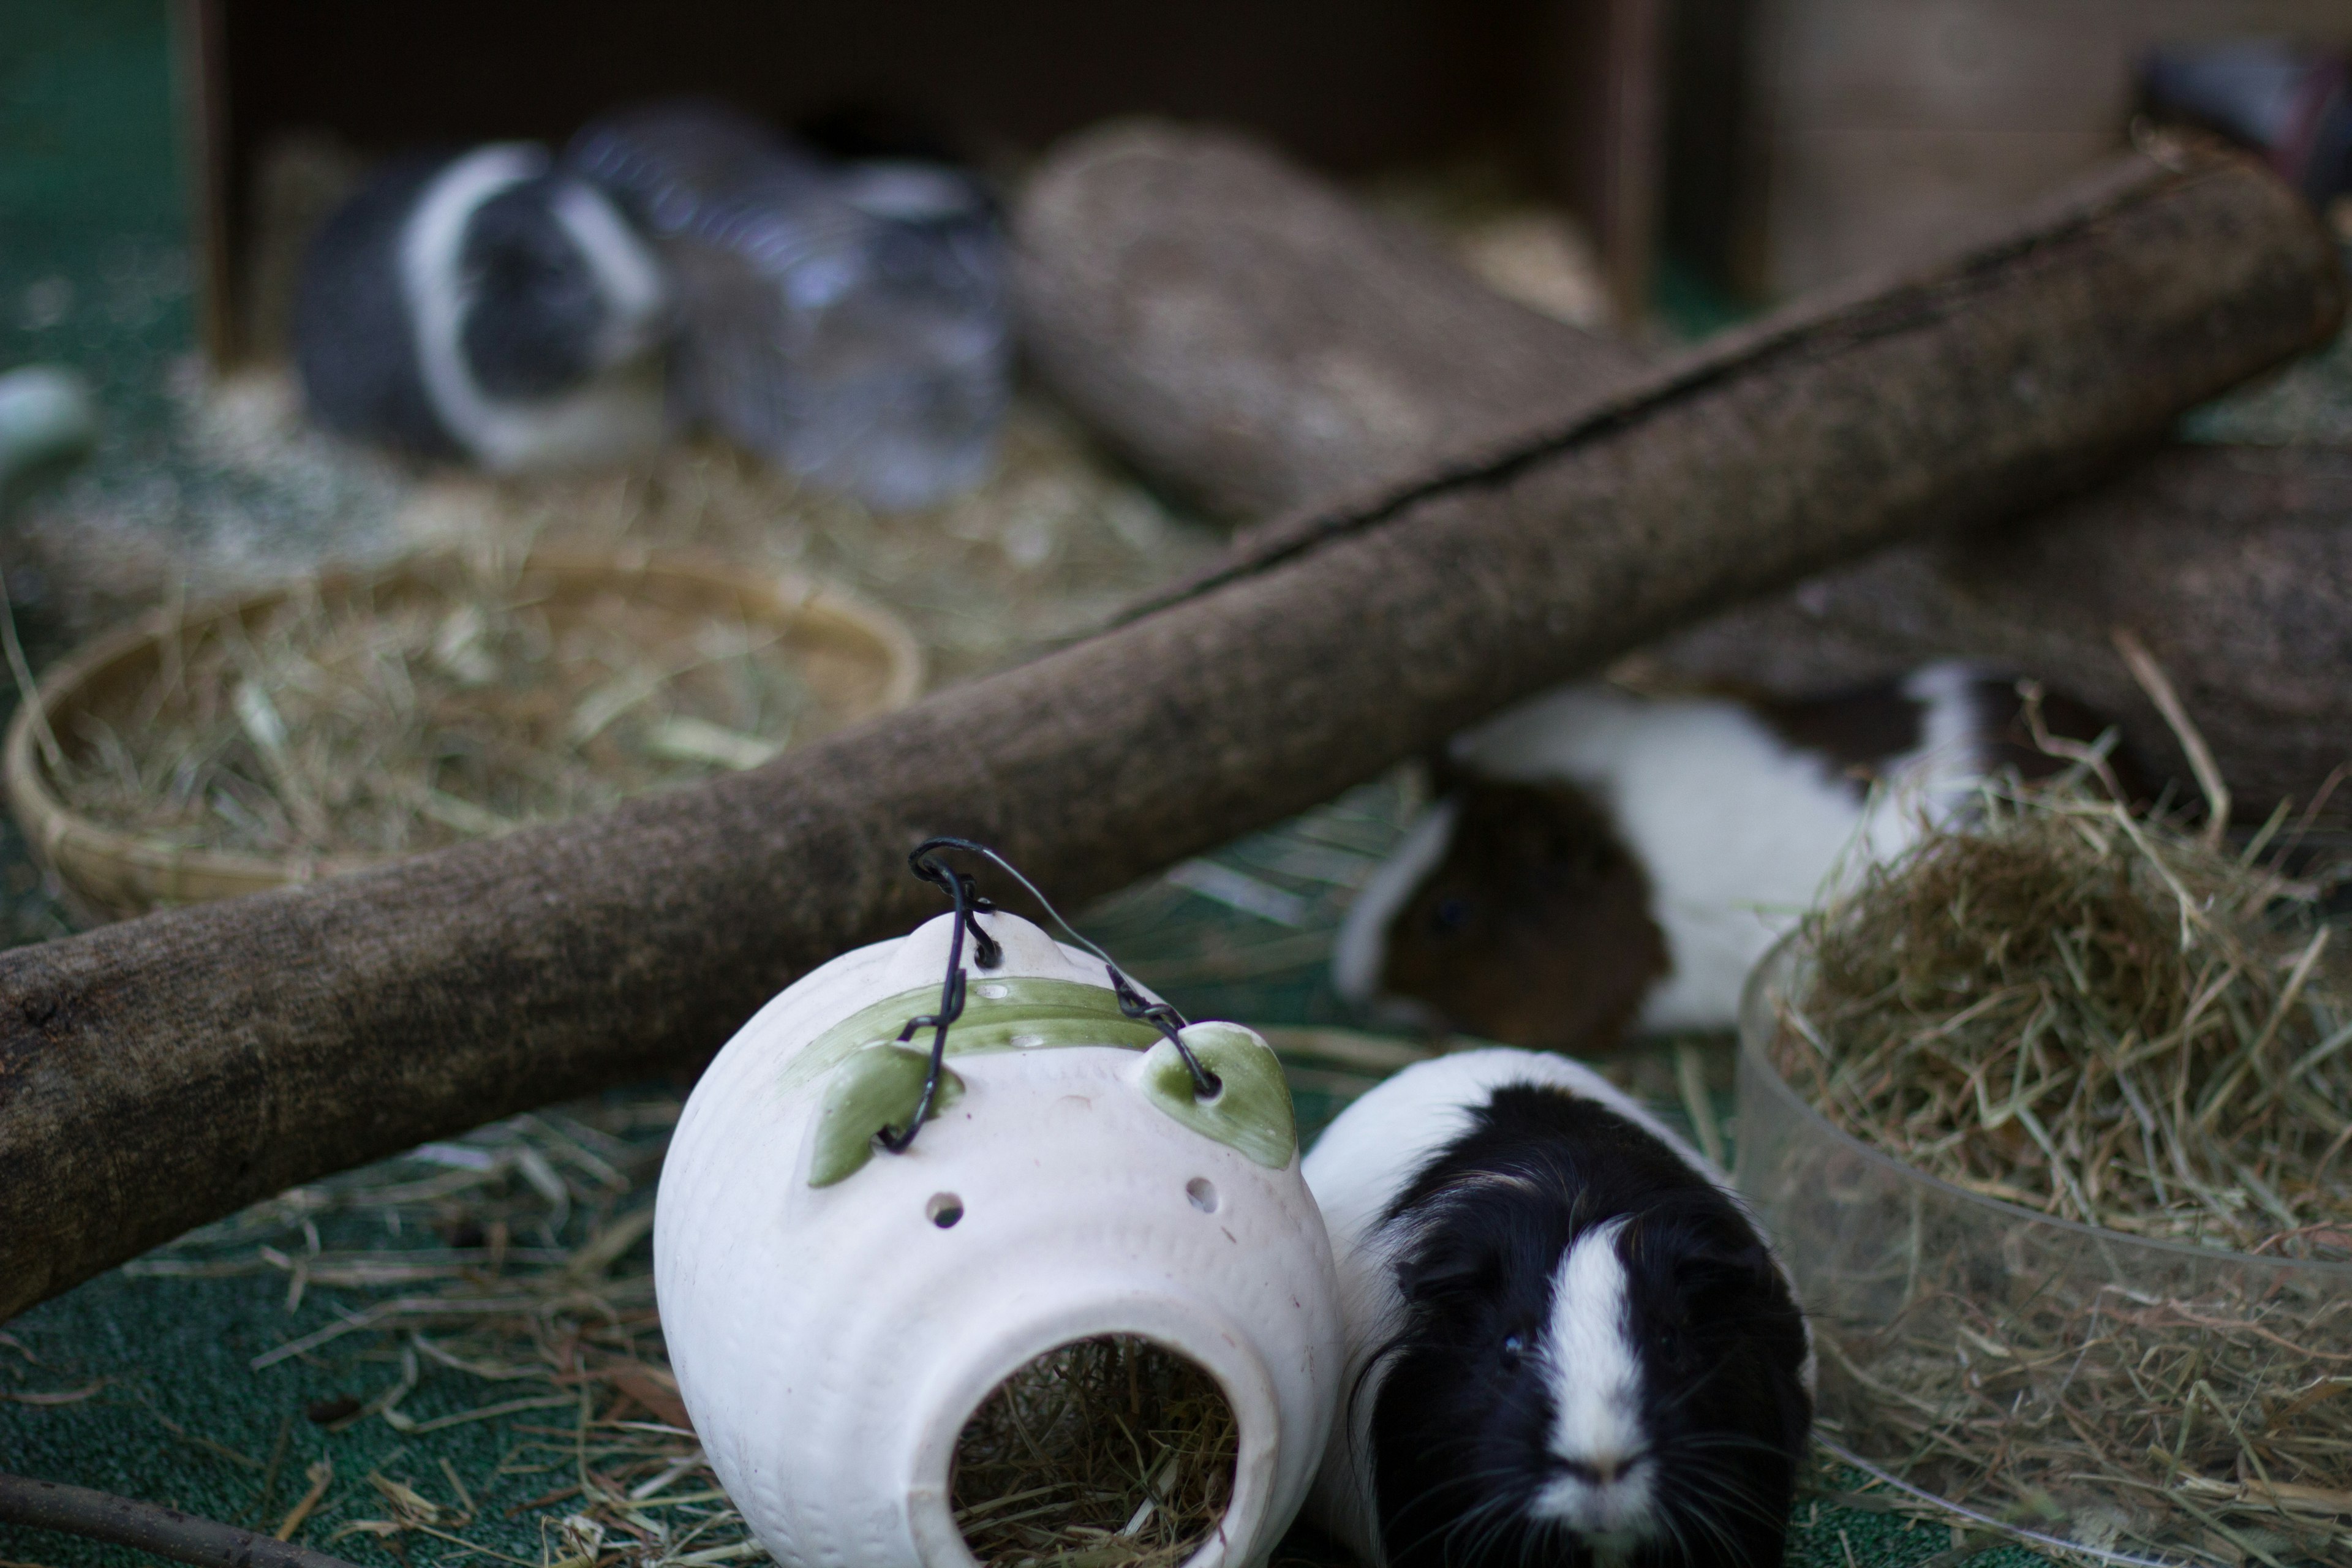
(1110, 1451)
(456, 700)
(1051, 546)
(2099, 1018)
(2107, 1021)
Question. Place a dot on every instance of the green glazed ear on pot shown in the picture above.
(1251, 1110)
(877, 1088)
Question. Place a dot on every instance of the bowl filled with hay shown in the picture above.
(2052, 1118)
(343, 720)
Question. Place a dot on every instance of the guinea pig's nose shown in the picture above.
(1599, 1469)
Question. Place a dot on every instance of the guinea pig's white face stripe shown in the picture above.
(628, 275)
(434, 281)
(610, 420)
(1606, 1480)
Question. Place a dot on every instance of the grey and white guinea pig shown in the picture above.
(485, 306)
(1567, 1343)
(1597, 859)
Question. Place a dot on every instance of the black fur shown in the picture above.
(534, 314)
(353, 346)
(1461, 1422)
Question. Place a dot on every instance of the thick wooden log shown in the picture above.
(1186, 281)
(2232, 563)
(1254, 340)
(160, 1073)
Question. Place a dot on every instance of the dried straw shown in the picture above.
(451, 701)
(1056, 541)
(2111, 1021)
(1108, 1453)
(517, 1262)
(2097, 1017)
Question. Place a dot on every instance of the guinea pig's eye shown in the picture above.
(1450, 916)
(1515, 1349)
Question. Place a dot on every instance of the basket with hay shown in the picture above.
(2052, 1118)
(338, 720)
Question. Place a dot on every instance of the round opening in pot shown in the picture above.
(1113, 1451)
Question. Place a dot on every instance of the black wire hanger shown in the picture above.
(987, 953)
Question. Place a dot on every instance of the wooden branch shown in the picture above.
(1254, 340)
(150, 1527)
(162, 1072)
(1185, 283)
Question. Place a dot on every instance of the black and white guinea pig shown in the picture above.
(485, 306)
(1567, 1343)
(1597, 859)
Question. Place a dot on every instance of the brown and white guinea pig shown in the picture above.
(1567, 1343)
(485, 306)
(1597, 859)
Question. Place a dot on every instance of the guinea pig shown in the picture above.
(1597, 860)
(1567, 1343)
(485, 306)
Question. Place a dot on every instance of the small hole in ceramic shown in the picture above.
(944, 1209)
(1069, 1425)
(1202, 1193)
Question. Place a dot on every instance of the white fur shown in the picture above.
(1596, 1381)
(1357, 1168)
(627, 273)
(1738, 832)
(1362, 952)
(616, 416)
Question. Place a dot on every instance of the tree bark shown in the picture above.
(160, 1073)
(1184, 285)
(2232, 563)
(1253, 339)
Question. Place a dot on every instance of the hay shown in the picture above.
(1051, 546)
(1108, 1453)
(2103, 1019)
(513, 1258)
(2108, 1021)
(451, 702)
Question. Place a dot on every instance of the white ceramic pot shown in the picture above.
(834, 1312)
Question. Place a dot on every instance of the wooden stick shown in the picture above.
(162, 1072)
(149, 1527)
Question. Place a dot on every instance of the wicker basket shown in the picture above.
(866, 652)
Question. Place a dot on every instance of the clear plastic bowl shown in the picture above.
(2143, 1402)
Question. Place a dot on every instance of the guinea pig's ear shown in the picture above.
(1722, 1268)
(1449, 1271)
